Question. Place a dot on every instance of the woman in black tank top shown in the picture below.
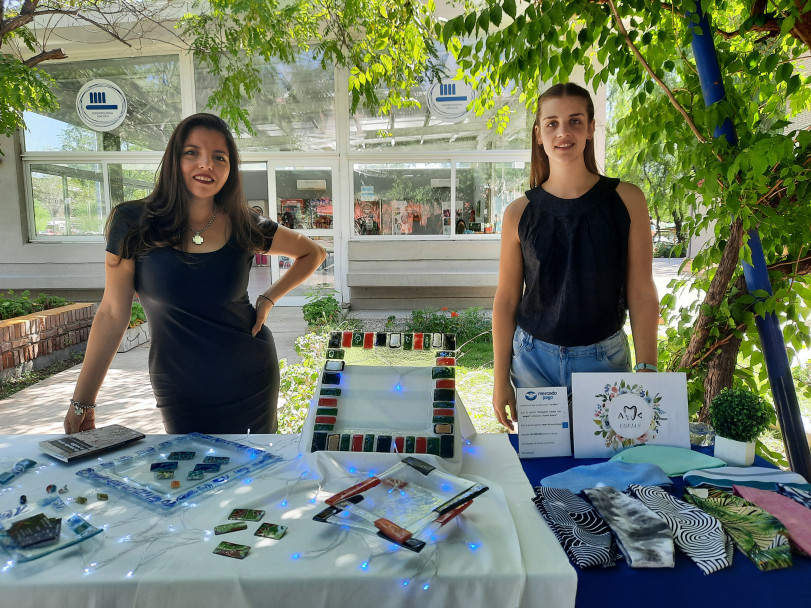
(576, 257)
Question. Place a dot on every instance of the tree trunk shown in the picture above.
(720, 372)
(715, 295)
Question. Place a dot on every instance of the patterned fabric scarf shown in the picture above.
(760, 536)
(643, 536)
(801, 496)
(695, 532)
(578, 527)
(795, 517)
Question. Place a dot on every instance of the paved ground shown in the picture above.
(126, 395)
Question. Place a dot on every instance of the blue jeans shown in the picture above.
(537, 363)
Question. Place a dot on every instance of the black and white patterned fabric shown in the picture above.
(580, 530)
(644, 538)
(699, 535)
(801, 496)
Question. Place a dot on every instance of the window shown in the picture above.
(294, 108)
(151, 86)
(420, 199)
(68, 199)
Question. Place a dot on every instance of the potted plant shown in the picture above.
(138, 330)
(739, 416)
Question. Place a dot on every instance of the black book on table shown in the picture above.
(87, 443)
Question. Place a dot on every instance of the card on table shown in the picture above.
(232, 550)
(164, 465)
(207, 467)
(232, 527)
(247, 514)
(275, 531)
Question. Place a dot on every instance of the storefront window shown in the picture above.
(304, 198)
(483, 191)
(68, 199)
(417, 198)
(152, 89)
(294, 108)
(402, 199)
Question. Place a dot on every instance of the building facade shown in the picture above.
(408, 206)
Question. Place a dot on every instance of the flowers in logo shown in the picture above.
(627, 415)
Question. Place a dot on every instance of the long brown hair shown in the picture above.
(539, 161)
(164, 215)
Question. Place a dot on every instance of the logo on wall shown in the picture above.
(447, 101)
(101, 105)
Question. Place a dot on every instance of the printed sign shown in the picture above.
(101, 105)
(543, 422)
(612, 412)
(448, 100)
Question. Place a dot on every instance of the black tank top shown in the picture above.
(575, 265)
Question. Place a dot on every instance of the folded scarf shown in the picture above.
(698, 534)
(577, 525)
(644, 537)
(615, 474)
(760, 536)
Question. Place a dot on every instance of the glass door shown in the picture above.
(304, 200)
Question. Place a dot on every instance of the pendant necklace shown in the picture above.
(197, 239)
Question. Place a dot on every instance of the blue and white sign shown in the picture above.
(101, 105)
(448, 100)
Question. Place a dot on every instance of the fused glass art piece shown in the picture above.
(405, 504)
(216, 462)
(387, 392)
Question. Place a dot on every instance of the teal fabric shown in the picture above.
(764, 478)
(673, 461)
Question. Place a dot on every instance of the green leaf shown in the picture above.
(509, 8)
(495, 15)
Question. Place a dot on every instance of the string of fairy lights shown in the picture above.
(157, 533)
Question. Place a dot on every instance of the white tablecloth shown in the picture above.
(498, 554)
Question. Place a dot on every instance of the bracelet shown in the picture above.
(80, 408)
(641, 366)
(261, 295)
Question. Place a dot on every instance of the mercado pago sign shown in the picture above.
(448, 100)
(101, 105)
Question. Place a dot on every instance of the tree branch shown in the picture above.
(653, 75)
(45, 56)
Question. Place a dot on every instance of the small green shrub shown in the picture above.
(471, 324)
(740, 414)
(17, 306)
(299, 381)
(138, 315)
(322, 309)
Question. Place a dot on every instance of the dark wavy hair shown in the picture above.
(539, 161)
(165, 211)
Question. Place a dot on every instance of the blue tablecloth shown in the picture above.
(740, 585)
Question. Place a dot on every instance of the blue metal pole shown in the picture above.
(756, 274)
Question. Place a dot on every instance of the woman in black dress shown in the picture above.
(186, 249)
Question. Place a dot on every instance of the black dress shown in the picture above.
(208, 373)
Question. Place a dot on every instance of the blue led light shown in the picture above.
(284, 502)
(405, 583)
(247, 480)
(473, 546)
(425, 586)
(364, 566)
(296, 555)
(352, 470)
(399, 387)
(313, 500)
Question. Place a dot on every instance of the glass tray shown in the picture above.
(74, 529)
(132, 474)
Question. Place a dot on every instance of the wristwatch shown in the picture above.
(641, 366)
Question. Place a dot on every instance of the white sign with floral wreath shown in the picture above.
(612, 412)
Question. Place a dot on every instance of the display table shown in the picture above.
(684, 585)
(499, 553)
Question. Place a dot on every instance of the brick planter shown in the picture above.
(34, 341)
